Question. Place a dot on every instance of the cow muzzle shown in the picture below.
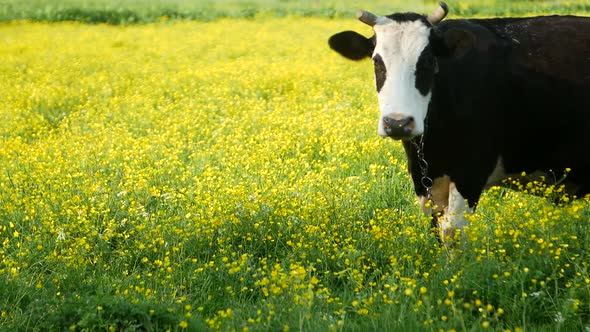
(399, 126)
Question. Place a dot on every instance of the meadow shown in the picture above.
(144, 11)
(225, 174)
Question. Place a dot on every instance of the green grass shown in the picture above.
(144, 11)
(227, 175)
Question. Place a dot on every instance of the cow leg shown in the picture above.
(448, 209)
(427, 210)
(453, 219)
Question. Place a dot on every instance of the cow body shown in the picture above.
(507, 96)
(519, 101)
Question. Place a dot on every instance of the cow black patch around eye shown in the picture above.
(425, 69)
(380, 71)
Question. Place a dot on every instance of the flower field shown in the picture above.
(227, 175)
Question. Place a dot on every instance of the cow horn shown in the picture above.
(366, 17)
(438, 14)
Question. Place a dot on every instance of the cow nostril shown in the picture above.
(393, 122)
(398, 126)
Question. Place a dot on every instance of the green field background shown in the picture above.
(142, 11)
(224, 173)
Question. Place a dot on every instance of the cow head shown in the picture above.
(403, 52)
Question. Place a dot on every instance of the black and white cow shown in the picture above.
(475, 101)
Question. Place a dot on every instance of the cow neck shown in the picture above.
(418, 144)
(425, 180)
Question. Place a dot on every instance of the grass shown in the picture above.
(145, 11)
(226, 175)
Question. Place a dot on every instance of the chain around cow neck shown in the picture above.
(426, 181)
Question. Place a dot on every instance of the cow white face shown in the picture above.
(405, 65)
(404, 73)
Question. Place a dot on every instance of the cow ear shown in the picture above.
(352, 45)
(454, 43)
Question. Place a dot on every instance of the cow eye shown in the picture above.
(428, 64)
(426, 60)
(380, 71)
(426, 67)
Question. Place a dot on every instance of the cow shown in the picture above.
(478, 101)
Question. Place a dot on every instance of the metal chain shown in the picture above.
(423, 164)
